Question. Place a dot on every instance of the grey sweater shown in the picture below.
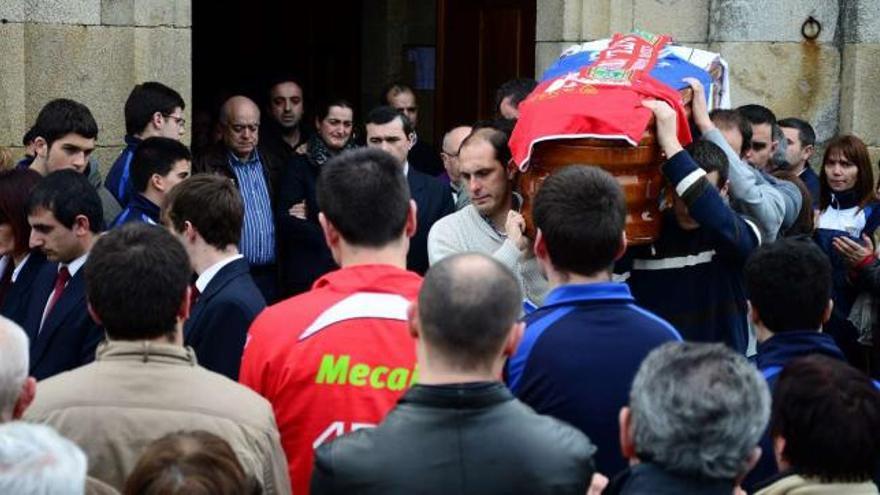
(774, 204)
(467, 231)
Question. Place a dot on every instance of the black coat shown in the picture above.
(218, 323)
(434, 202)
(471, 438)
(15, 304)
(69, 335)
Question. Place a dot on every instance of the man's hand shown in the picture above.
(298, 210)
(699, 109)
(665, 119)
(597, 483)
(851, 251)
(515, 228)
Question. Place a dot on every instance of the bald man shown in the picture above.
(17, 389)
(449, 154)
(239, 157)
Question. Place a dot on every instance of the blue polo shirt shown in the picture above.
(579, 355)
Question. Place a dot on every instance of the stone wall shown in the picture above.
(831, 81)
(93, 51)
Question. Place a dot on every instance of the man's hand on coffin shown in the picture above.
(515, 228)
(699, 108)
(665, 119)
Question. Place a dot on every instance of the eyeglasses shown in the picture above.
(179, 120)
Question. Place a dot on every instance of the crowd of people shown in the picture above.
(286, 310)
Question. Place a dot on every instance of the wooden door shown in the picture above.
(480, 44)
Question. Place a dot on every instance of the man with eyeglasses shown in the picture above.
(449, 154)
(151, 110)
(238, 157)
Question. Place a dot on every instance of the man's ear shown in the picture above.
(624, 243)
(540, 246)
(752, 311)
(331, 235)
(751, 461)
(826, 315)
(156, 182)
(81, 225)
(412, 318)
(627, 446)
(25, 398)
(808, 151)
(412, 221)
(157, 120)
(514, 337)
(92, 313)
(185, 308)
(41, 147)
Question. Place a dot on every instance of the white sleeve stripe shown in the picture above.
(689, 180)
(755, 229)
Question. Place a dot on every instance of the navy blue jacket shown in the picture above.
(15, 304)
(433, 202)
(578, 357)
(219, 321)
(773, 354)
(139, 209)
(694, 278)
(811, 180)
(69, 335)
(303, 254)
(118, 180)
(650, 479)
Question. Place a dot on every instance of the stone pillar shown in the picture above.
(860, 84)
(93, 51)
(774, 65)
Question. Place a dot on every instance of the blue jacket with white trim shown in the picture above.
(139, 209)
(579, 355)
(694, 278)
(773, 354)
(118, 180)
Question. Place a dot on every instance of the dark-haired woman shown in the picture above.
(305, 256)
(847, 209)
(19, 264)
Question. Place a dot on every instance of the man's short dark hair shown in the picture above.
(495, 137)
(516, 89)
(136, 279)
(67, 194)
(156, 155)
(29, 136)
(61, 117)
(385, 114)
(726, 119)
(364, 194)
(829, 414)
(145, 100)
(806, 134)
(789, 284)
(211, 203)
(394, 88)
(575, 197)
(757, 114)
(467, 305)
(711, 158)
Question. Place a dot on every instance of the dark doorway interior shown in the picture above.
(240, 46)
(351, 48)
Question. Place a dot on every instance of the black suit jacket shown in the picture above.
(15, 305)
(302, 251)
(434, 203)
(69, 335)
(218, 324)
